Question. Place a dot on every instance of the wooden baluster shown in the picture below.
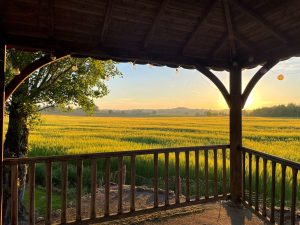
(167, 179)
(256, 182)
(250, 179)
(93, 188)
(224, 172)
(294, 197)
(64, 189)
(216, 172)
(264, 209)
(120, 185)
(107, 186)
(272, 218)
(155, 180)
(197, 175)
(282, 199)
(244, 177)
(177, 178)
(14, 194)
(31, 174)
(187, 175)
(206, 173)
(132, 187)
(79, 189)
(48, 219)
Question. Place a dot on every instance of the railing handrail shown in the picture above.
(42, 159)
(273, 158)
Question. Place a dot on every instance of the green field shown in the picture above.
(59, 135)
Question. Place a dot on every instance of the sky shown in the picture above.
(148, 87)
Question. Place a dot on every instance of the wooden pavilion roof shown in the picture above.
(212, 33)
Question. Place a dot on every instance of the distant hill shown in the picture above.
(179, 111)
(290, 110)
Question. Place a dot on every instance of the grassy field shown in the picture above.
(59, 135)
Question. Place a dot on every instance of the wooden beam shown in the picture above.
(236, 188)
(213, 78)
(259, 19)
(2, 109)
(156, 20)
(245, 43)
(106, 20)
(218, 46)
(227, 13)
(257, 76)
(201, 22)
(27, 71)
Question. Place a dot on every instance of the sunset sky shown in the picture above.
(145, 87)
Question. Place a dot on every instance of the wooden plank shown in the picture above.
(294, 197)
(282, 197)
(107, 186)
(250, 179)
(272, 218)
(79, 189)
(167, 179)
(64, 191)
(177, 178)
(93, 188)
(48, 218)
(197, 175)
(132, 187)
(187, 176)
(155, 180)
(260, 20)
(202, 20)
(106, 20)
(156, 20)
(232, 45)
(264, 188)
(14, 194)
(120, 185)
(216, 173)
(31, 184)
(256, 182)
(88, 156)
(206, 173)
(224, 172)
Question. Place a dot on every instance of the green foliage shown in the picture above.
(57, 85)
(290, 110)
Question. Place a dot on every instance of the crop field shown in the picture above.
(59, 135)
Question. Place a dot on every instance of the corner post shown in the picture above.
(2, 108)
(235, 133)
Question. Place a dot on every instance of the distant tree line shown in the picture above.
(290, 110)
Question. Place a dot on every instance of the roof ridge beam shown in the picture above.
(150, 33)
(232, 45)
(202, 20)
(263, 22)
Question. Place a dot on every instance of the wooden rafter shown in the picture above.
(259, 19)
(51, 18)
(229, 28)
(213, 78)
(244, 42)
(201, 21)
(150, 33)
(219, 45)
(27, 71)
(106, 20)
(259, 74)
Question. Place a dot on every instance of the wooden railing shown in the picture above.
(201, 159)
(262, 194)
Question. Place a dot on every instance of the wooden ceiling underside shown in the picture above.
(212, 33)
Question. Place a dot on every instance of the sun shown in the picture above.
(252, 101)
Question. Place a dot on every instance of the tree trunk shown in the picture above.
(16, 145)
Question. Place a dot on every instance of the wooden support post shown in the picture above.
(235, 133)
(2, 105)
